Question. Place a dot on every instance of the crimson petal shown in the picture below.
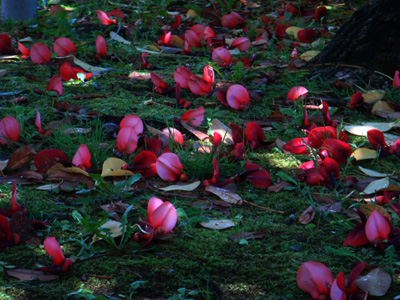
(40, 54)
(314, 278)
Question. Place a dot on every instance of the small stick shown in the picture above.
(264, 208)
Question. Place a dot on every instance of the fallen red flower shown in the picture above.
(101, 47)
(306, 35)
(314, 278)
(296, 93)
(257, 175)
(237, 133)
(221, 56)
(356, 101)
(160, 85)
(169, 167)
(215, 177)
(55, 85)
(208, 74)
(326, 116)
(195, 116)
(396, 79)
(171, 134)
(63, 46)
(318, 135)
(145, 163)
(320, 12)
(13, 200)
(338, 150)
(104, 19)
(254, 135)
(338, 288)
(297, 146)
(40, 54)
(116, 13)
(9, 131)
(202, 31)
(232, 20)
(177, 22)
(53, 249)
(199, 86)
(192, 38)
(38, 123)
(127, 140)
(69, 72)
(82, 157)
(5, 44)
(145, 65)
(47, 158)
(377, 229)
(237, 97)
(377, 141)
(25, 52)
(132, 121)
(242, 43)
(181, 76)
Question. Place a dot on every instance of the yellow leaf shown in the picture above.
(309, 55)
(112, 167)
(218, 224)
(191, 13)
(118, 38)
(370, 207)
(293, 30)
(364, 153)
(373, 96)
(187, 187)
(381, 105)
(376, 186)
(372, 173)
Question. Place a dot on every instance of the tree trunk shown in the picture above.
(371, 39)
(18, 9)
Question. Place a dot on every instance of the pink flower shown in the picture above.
(82, 157)
(314, 278)
(60, 264)
(161, 215)
(169, 167)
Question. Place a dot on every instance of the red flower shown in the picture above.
(171, 134)
(101, 47)
(215, 177)
(192, 38)
(320, 12)
(237, 133)
(169, 167)
(326, 116)
(356, 101)
(295, 93)
(318, 135)
(338, 288)
(116, 13)
(199, 86)
(177, 22)
(7, 239)
(82, 157)
(208, 74)
(237, 97)
(104, 19)
(232, 20)
(145, 163)
(160, 85)
(25, 52)
(202, 31)
(396, 79)
(242, 43)
(315, 278)
(254, 135)
(9, 130)
(377, 140)
(297, 146)
(69, 72)
(195, 116)
(127, 140)
(53, 249)
(38, 124)
(14, 205)
(221, 56)
(55, 85)
(132, 121)
(306, 35)
(182, 75)
(63, 46)
(40, 54)
(257, 175)
(280, 31)
(47, 158)
(338, 150)
(161, 215)
(377, 229)
(5, 44)
(145, 65)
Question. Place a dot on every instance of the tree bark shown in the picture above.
(371, 39)
(18, 9)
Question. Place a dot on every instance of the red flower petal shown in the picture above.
(306, 35)
(116, 13)
(55, 85)
(192, 38)
(169, 167)
(356, 236)
(172, 134)
(318, 135)
(338, 288)
(199, 86)
(38, 123)
(297, 146)
(221, 94)
(377, 139)
(69, 72)
(237, 96)
(132, 121)
(5, 44)
(237, 133)
(338, 150)
(217, 140)
(40, 54)
(182, 75)
(396, 79)
(104, 19)
(326, 116)
(356, 100)
(254, 135)
(377, 228)
(9, 130)
(53, 249)
(259, 178)
(215, 177)
(231, 20)
(145, 163)
(157, 81)
(101, 46)
(320, 12)
(202, 31)
(314, 278)
(82, 157)
(177, 22)
(329, 170)
(221, 56)
(195, 116)
(208, 74)
(242, 43)
(127, 140)
(47, 158)
(296, 92)
(25, 52)
(63, 46)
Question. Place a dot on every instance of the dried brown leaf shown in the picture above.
(307, 216)
(25, 274)
(20, 157)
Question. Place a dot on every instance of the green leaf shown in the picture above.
(286, 177)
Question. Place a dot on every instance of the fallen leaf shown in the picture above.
(225, 195)
(375, 283)
(309, 55)
(368, 208)
(200, 135)
(381, 105)
(114, 227)
(115, 36)
(77, 130)
(187, 187)
(373, 96)
(247, 236)
(362, 130)
(23, 177)
(373, 173)
(293, 30)
(25, 274)
(376, 186)
(223, 130)
(218, 224)
(307, 216)
(20, 157)
(112, 167)
(278, 187)
(48, 187)
(364, 153)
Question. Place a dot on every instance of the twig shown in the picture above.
(390, 169)
(264, 208)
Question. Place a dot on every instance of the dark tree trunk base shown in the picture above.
(371, 39)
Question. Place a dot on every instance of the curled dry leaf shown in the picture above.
(20, 157)
(225, 195)
(373, 173)
(223, 130)
(364, 153)
(112, 167)
(375, 283)
(307, 216)
(25, 274)
(187, 187)
(114, 228)
(218, 224)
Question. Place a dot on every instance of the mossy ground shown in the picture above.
(196, 258)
